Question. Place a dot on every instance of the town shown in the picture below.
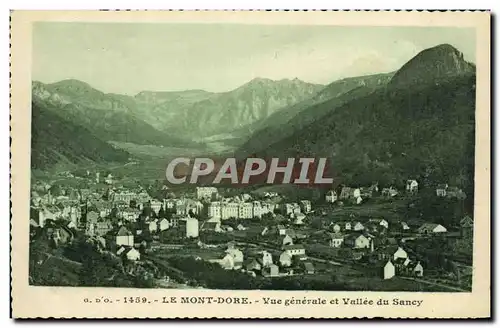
(348, 238)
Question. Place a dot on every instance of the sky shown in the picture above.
(128, 58)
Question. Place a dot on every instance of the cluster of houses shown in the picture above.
(357, 195)
(119, 220)
(291, 261)
(243, 207)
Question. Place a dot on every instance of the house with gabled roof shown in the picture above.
(389, 270)
(285, 259)
(357, 240)
(331, 196)
(129, 253)
(308, 267)
(431, 228)
(336, 240)
(124, 237)
(466, 226)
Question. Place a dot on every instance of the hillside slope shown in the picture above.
(55, 140)
(240, 108)
(425, 130)
(111, 117)
(285, 122)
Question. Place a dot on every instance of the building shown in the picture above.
(206, 192)
(245, 211)
(130, 214)
(192, 228)
(164, 224)
(257, 210)
(211, 225)
(270, 271)
(169, 204)
(60, 235)
(336, 228)
(455, 192)
(41, 216)
(366, 192)
(143, 197)
(430, 228)
(441, 190)
(295, 250)
(331, 196)
(404, 226)
(156, 206)
(75, 215)
(102, 228)
(214, 210)
(412, 186)
(103, 208)
(350, 193)
(285, 259)
(466, 227)
(389, 270)
(336, 240)
(108, 179)
(308, 267)
(299, 218)
(227, 262)
(390, 192)
(287, 240)
(305, 206)
(129, 253)
(359, 226)
(124, 237)
(236, 255)
(153, 226)
(290, 208)
(399, 254)
(281, 230)
(229, 210)
(418, 270)
(357, 241)
(383, 223)
(253, 265)
(124, 196)
(266, 259)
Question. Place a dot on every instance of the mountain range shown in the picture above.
(417, 121)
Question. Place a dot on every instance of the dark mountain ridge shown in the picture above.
(55, 140)
(285, 122)
(111, 117)
(424, 130)
(432, 65)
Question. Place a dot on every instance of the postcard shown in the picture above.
(250, 164)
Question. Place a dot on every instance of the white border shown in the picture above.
(174, 4)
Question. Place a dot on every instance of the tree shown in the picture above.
(162, 213)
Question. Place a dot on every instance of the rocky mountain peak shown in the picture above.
(433, 64)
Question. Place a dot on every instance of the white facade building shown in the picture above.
(192, 230)
(205, 192)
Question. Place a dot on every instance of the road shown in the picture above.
(435, 284)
